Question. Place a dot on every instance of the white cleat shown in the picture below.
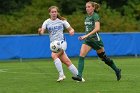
(61, 78)
(83, 80)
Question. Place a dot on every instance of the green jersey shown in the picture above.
(93, 40)
(90, 25)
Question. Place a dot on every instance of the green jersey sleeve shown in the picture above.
(96, 17)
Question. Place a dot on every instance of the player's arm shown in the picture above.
(71, 30)
(41, 31)
(96, 29)
(68, 27)
(43, 28)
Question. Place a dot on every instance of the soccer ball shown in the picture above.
(55, 46)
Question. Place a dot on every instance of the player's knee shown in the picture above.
(101, 55)
(54, 56)
(104, 58)
(67, 63)
(82, 54)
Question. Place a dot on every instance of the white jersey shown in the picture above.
(55, 28)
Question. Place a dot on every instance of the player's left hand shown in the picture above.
(40, 32)
(71, 32)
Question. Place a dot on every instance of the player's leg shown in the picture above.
(64, 58)
(109, 62)
(58, 65)
(83, 52)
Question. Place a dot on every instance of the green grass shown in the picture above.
(39, 76)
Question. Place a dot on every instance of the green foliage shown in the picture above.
(26, 21)
(132, 9)
(112, 20)
(77, 21)
(116, 4)
(68, 6)
(29, 18)
(8, 6)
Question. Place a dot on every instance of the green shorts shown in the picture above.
(96, 45)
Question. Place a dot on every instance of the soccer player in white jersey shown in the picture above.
(55, 26)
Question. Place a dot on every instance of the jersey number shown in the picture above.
(87, 29)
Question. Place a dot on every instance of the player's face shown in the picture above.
(89, 8)
(53, 13)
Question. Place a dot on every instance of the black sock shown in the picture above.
(108, 61)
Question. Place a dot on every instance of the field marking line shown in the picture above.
(3, 70)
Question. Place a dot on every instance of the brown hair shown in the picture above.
(58, 15)
(95, 5)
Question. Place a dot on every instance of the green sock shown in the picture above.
(80, 66)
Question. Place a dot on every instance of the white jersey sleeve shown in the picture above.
(66, 24)
(44, 25)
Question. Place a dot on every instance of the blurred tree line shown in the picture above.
(8, 6)
(25, 16)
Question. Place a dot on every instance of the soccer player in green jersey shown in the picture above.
(92, 40)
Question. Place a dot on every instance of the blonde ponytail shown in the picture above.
(96, 5)
(58, 15)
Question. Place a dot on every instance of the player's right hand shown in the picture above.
(40, 31)
(83, 37)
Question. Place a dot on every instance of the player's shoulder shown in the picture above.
(86, 16)
(61, 20)
(64, 21)
(47, 20)
(58, 20)
(95, 14)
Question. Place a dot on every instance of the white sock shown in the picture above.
(58, 66)
(73, 70)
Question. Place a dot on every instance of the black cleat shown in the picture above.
(118, 74)
(77, 78)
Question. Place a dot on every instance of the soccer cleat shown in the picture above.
(79, 79)
(61, 78)
(83, 80)
(118, 74)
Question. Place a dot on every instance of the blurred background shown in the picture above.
(25, 16)
(25, 57)
(20, 20)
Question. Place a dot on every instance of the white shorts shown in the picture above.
(64, 45)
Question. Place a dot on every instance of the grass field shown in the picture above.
(39, 76)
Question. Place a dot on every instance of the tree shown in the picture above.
(8, 6)
(67, 6)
